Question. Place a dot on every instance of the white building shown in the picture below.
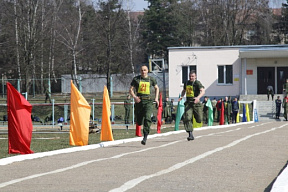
(229, 70)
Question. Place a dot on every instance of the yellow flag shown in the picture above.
(247, 112)
(79, 118)
(195, 124)
(106, 130)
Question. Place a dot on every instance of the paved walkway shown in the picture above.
(239, 157)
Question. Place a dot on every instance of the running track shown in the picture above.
(240, 157)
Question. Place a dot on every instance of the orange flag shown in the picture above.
(19, 122)
(106, 130)
(79, 118)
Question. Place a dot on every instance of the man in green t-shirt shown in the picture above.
(141, 84)
(194, 90)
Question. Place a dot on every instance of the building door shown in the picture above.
(265, 77)
(282, 75)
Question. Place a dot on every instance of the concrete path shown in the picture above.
(242, 157)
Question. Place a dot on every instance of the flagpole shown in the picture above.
(53, 113)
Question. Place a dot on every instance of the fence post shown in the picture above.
(80, 84)
(111, 86)
(93, 100)
(3, 87)
(113, 112)
(65, 113)
(25, 95)
(53, 120)
(18, 85)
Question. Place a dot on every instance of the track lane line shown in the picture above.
(134, 182)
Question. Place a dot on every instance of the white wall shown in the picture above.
(207, 61)
(252, 64)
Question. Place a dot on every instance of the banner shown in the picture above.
(210, 112)
(179, 113)
(19, 122)
(255, 115)
(195, 124)
(159, 114)
(221, 122)
(247, 112)
(106, 130)
(79, 118)
(244, 119)
(238, 114)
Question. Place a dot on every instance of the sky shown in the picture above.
(274, 3)
(139, 5)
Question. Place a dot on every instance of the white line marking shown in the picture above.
(80, 165)
(97, 160)
(132, 183)
(259, 125)
(9, 160)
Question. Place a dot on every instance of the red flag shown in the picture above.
(19, 122)
(159, 115)
(222, 114)
(138, 130)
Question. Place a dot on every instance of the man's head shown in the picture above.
(192, 76)
(167, 98)
(144, 71)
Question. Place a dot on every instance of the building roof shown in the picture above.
(275, 52)
(233, 46)
(250, 51)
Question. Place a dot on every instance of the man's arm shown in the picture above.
(202, 92)
(182, 95)
(131, 92)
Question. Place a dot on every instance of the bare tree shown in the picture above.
(70, 23)
(234, 17)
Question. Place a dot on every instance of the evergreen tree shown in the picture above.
(281, 25)
(159, 28)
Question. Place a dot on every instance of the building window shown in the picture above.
(225, 74)
(185, 72)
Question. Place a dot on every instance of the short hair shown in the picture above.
(143, 66)
(191, 72)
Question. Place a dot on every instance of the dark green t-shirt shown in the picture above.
(143, 85)
(192, 89)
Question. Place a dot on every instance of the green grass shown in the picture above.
(42, 142)
(60, 140)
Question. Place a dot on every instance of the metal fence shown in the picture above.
(49, 114)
